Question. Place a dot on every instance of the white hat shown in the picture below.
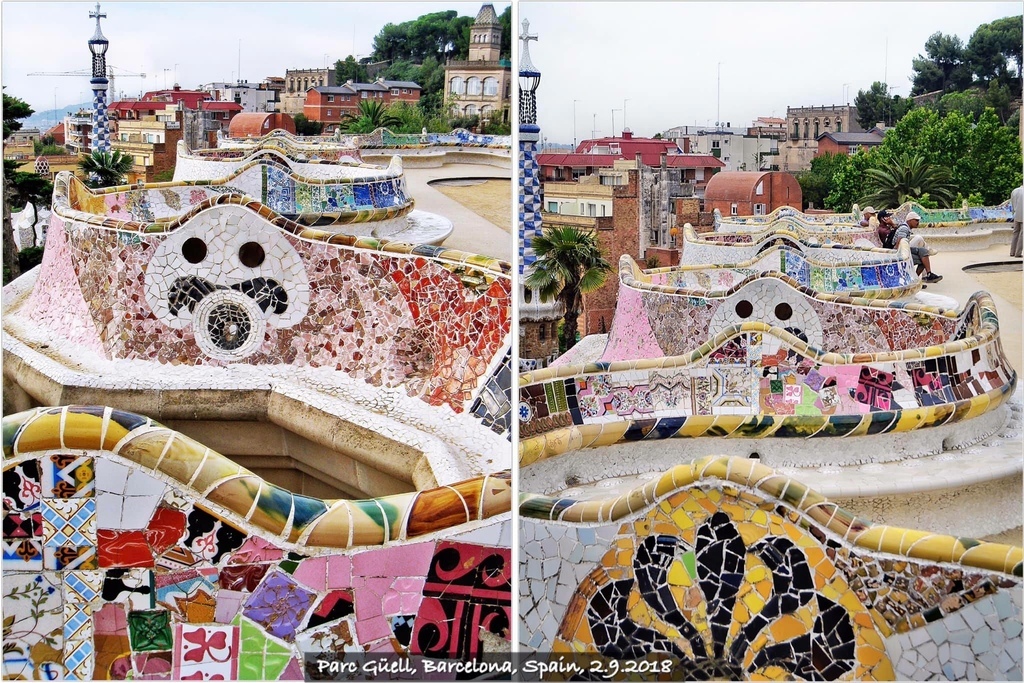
(913, 216)
(869, 209)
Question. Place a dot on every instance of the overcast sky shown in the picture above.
(663, 57)
(201, 38)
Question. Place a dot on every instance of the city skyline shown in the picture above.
(843, 48)
(139, 44)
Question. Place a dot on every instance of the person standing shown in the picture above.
(1016, 198)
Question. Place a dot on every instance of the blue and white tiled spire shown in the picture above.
(530, 194)
(98, 47)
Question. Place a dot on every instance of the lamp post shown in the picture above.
(574, 124)
(98, 45)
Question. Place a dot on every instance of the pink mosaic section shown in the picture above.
(389, 320)
(60, 304)
(631, 336)
(680, 324)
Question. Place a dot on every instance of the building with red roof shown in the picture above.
(256, 124)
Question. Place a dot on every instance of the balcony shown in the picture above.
(550, 220)
(464, 63)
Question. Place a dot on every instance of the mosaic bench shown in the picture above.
(890, 275)
(132, 551)
(769, 358)
(810, 221)
(231, 281)
(317, 163)
(373, 199)
(734, 572)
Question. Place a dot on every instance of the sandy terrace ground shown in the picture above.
(485, 230)
(489, 198)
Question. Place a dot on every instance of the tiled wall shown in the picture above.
(131, 551)
(736, 573)
(431, 320)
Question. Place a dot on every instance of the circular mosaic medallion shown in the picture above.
(228, 325)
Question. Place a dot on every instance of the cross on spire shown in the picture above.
(525, 65)
(97, 15)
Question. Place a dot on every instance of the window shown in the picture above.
(839, 126)
(807, 129)
(330, 112)
(543, 331)
(716, 144)
(759, 209)
(815, 128)
(394, 91)
(346, 98)
(490, 86)
(732, 211)
(405, 91)
(470, 110)
(473, 86)
(552, 207)
(458, 86)
(363, 94)
(796, 129)
(330, 98)
(759, 190)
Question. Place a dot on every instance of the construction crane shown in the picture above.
(87, 73)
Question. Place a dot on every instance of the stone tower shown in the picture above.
(98, 47)
(485, 36)
(538, 320)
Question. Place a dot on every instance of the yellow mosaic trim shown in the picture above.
(291, 520)
(577, 437)
(861, 533)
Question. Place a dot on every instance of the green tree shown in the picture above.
(816, 183)
(371, 116)
(905, 178)
(994, 53)
(304, 126)
(15, 109)
(876, 106)
(505, 19)
(106, 169)
(944, 66)
(350, 70)
(969, 103)
(435, 34)
(847, 186)
(569, 264)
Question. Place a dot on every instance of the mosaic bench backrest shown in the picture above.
(232, 281)
(949, 218)
(846, 237)
(131, 551)
(654, 320)
(890, 275)
(372, 194)
(810, 221)
(209, 164)
(738, 573)
(382, 138)
(798, 363)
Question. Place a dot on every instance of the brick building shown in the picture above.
(617, 236)
(848, 143)
(297, 82)
(752, 193)
(329, 105)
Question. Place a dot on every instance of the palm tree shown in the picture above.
(371, 116)
(907, 177)
(106, 169)
(569, 264)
